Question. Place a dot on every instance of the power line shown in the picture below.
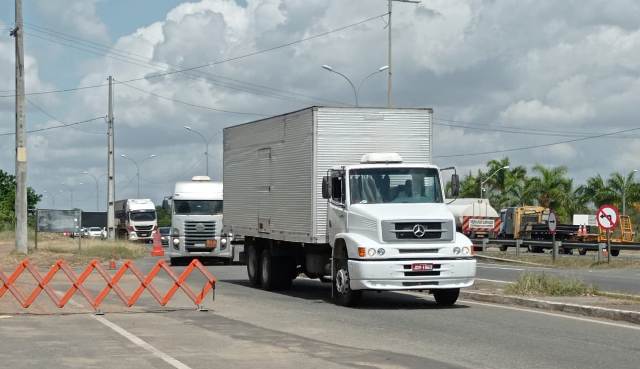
(46, 113)
(55, 127)
(188, 103)
(538, 146)
(183, 70)
(107, 50)
(525, 132)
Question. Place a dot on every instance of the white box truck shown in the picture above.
(135, 219)
(196, 221)
(346, 195)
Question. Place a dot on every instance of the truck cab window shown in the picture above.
(337, 188)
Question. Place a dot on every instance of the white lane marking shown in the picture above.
(5, 316)
(486, 266)
(493, 280)
(619, 325)
(139, 342)
(136, 340)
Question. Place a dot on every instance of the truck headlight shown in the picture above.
(223, 241)
(176, 241)
(466, 251)
(371, 252)
(456, 250)
(381, 251)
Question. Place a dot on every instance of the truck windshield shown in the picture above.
(197, 207)
(394, 185)
(143, 216)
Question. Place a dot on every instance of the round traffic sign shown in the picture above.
(607, 216)
(552, 222)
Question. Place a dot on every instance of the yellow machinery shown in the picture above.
(623, 233)
(519, 219)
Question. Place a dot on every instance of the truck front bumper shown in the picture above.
(398, 274)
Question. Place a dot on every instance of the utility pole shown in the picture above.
(21, 138)
(389, 49)
(111, 184)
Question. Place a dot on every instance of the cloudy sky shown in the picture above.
(500, 75)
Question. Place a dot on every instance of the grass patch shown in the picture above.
(540, 284)
(53, 247)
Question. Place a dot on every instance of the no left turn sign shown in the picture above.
(607, 216)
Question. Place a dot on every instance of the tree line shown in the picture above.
(8, 200)
(551, 187)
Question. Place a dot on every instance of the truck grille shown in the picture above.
(417, 231)
(196, 233)
(144, 228)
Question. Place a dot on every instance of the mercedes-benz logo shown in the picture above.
(418, 230)
(199, 227)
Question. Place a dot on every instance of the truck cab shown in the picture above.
(196, 221)
(390, 229)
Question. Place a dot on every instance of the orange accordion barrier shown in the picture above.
(111, 283)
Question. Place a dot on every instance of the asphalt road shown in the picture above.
(626, 280)
(251, 328)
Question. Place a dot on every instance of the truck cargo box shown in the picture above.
(273, 168)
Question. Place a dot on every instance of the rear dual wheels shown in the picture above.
(269, 272)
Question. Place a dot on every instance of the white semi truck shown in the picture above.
(346, 195)
(196, 221)
(135, 219)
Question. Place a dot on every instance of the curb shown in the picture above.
(591, 311)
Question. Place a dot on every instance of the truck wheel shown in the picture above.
(503, 248)
(446, 297)
(253, 265)
(342, 292)
(615, 252)
(582, 251)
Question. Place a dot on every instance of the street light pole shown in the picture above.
(206, 147)
(488, 178)
(380, 70)
(138, 167)
(624, 193)
(355, 91)
(97, 189)
(70, 189)
(389, 71)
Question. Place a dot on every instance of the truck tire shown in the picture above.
(503, 248)
(253, 265)
(446, 297)
(615, 252)
(582, 251)
(343, 295)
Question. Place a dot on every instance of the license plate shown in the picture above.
(421, 267)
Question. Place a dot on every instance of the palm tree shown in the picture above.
(551, 186)
(597, 190)
(622, 189)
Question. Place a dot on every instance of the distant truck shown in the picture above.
(196, 221)
(345, 195)
(135, 219)
(475, 218)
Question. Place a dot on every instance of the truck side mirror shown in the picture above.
(455, 185)
(325, 188)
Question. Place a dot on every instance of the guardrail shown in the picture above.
(77, 281)
(557, 246)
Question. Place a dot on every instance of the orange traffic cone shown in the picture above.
(112, 264)
(157, 249)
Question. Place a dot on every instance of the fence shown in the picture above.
(111, 283)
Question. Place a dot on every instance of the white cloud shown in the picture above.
(572, 66)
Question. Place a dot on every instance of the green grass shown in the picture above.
(540, 284)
